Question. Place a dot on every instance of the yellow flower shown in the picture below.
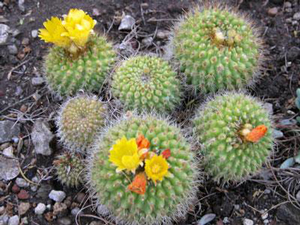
(124, 154)
(53, 33)
(156, 168)
(79, 25)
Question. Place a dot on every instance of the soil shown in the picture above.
(278, 84)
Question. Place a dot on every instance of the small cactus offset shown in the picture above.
(146, 83)
(236, 134)
(217, 49)
(80, 59)
(79, 120)
(69, 168)
(143, 171)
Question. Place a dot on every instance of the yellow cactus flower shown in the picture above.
(124, 154)
(156, 168)
(53, 33)
(78, 27)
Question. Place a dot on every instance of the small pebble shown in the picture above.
(75, 211)
(23, 195)
(34, 33)
(57, 196)
(266, 221)
(14, 220)
(64, 221)
(298, 196)
(23, 108)
(2, 210)
(80, 197)
(147, 41)
(25, 41)
(273, 11)
(21, 182)
(248, 222)
(287, 5)
(9, 152)
(277, 134)
(40, 209)
(264, 215)
(127, 23)
(296, 16)
(36, 81)
(95, 12)
(288, 122)
(15, 189)
(267, 191)
(12, 49)
(23, 208)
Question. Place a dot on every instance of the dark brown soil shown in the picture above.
(277, 86)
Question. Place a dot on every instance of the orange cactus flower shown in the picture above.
(142, 142)
(257, 133)
(138, 184)
(166, 153)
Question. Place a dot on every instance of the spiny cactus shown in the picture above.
(236, 134)
(69, 168)
(146, 83)
(79, 120)
(217, 49)
(169, 165)
(66, 75)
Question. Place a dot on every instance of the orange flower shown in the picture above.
(166, 153)
(257, 133)
(143, 146)
(138, 184)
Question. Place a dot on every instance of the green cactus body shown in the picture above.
(218, 126)
(79, 120)
(162, 203)
(217, 49)
(88, 71)
(146, 83)
(69, 168)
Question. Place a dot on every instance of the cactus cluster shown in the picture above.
(230, 129)
(69, 169)
(161, 202)
(66, 75)
(146, 83)
(79, 120)
(217, 49)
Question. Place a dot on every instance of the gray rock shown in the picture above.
(4, 29)
(19, 90)
(248, 222)
(21, 182)
(293, 53)
(8, 130)
(287, 122)
(298, 196)
(95, 12)
(40, 209)
(14, 220)
(127, 23)
(9, 168)
(277, 134)
(9, 152)
(207, 218)
(147, 41)
(37, 81)
(21, 5)
(162, 34)
(34, 33)
(273, 11)
(64, 221)
(75, 211)
(15, 32)
(296, 16)
(57, 196)
(12, 49)
(287, 5)
(289, 214)
(41, 137)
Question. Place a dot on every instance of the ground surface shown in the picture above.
(263, 200)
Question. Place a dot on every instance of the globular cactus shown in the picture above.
(80, 58)
(236, 133)
(172, 174)
(66, 75)
(79, 120)
(146, 83)
(217, 49)
(69, 169)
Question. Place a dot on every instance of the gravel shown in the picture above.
(4, 29)
(57, 196)
(14, 220)
(127, 23)
(40, 209)
(41, 137)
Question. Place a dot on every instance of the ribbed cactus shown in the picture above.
(69, 169)
(146, 83)
(236, 134)
(217, 49)
(88, 70)
(174, 190)
(79, 120)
